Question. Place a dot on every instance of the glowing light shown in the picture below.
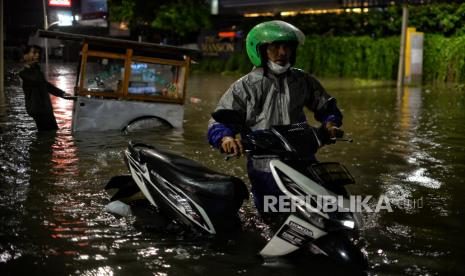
(289, 13)
(297, 12)
(348, 223)
(65, 19)
(123, 26)
(214, 7)
(322, 11)
(258, 14)
(59, 3)
(227, 34)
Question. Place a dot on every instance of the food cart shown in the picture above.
(124, 84)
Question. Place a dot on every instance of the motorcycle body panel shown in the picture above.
(292, 235)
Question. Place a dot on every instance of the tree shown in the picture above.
(122, 10)
(182, 17)
(178, 18)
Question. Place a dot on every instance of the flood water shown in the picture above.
(408, 145)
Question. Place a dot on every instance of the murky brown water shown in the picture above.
(409, 146)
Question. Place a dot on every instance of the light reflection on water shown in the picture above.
(408, 145)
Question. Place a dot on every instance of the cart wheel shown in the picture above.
(146, 123)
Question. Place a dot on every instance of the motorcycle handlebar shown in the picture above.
(321, 133)
(348, 140)
(229, 156)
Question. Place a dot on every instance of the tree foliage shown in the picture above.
(122, 10)
(176, 17)
(445, 19)
(182, 17)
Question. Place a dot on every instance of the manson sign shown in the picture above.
(213, 45)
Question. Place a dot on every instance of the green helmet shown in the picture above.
(268, 32)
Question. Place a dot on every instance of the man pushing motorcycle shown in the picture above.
(273, 93)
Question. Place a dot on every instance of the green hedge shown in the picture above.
(444, 59)
(237, 63)
(362, 57)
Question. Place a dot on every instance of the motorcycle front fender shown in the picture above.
(337, 246)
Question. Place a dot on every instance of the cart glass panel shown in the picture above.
(155, 79)
(104, 75)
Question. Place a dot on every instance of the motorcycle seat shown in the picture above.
(192, 177)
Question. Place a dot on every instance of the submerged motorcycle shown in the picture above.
(208, 201)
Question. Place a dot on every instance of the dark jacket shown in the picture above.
(36, 91)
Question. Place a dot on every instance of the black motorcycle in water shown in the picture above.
(206, 201)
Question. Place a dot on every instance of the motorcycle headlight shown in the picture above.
(348, 223)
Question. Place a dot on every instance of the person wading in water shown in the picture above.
(36, 90)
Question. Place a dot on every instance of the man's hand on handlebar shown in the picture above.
(333, 132)
(232, 146)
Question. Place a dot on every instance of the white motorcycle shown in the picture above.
(208, 202)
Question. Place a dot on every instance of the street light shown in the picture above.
(63, 20)
(46, 40)
(2, 85)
